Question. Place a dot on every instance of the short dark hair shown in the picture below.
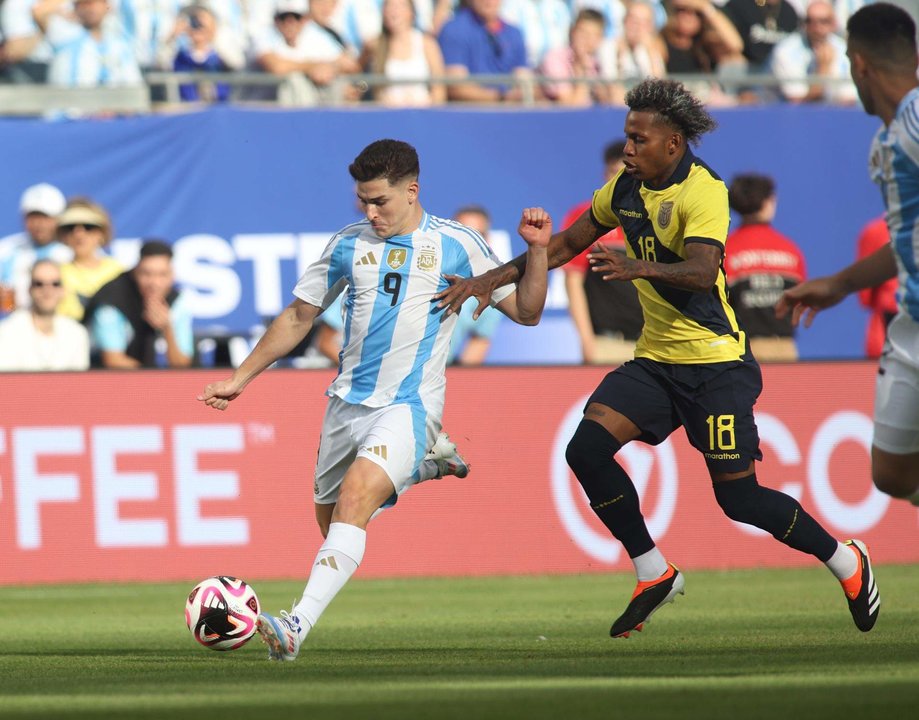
(473, 209)
(885, 34)
(154, 247)
(614, 152)
(674, 105)
(591, 15)
(749, 191)
(392, 160)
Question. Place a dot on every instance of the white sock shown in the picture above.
(844, 563)
(650, 565)
(335, 563)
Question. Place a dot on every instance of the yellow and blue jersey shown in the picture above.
(680, 326)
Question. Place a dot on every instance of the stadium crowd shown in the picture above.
(569, 52)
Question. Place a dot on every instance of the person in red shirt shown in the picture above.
(760, 264)
(607, 315)
(881, 300)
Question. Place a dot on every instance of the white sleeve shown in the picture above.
(784, 67)
(323, 280)
(482, 259)
(16, 19)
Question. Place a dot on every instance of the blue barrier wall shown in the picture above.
(250, 196)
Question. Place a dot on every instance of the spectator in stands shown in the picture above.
(699, 39)
(86, 228)
(39, 205)
(818, 51)
(357, 22)
(579, 60)
(471, 339)
(760, 264)
(639, 52)
(37, 338)
(140, 319)
(24, 53)
(881, 300)
(615, 11)
(236, 21)
(327, 51)
(545, 24)
(762, 24)
(606, 315)
(196, 51)
(148, 24)
(403, 52)
(477, 41)
(91, 54)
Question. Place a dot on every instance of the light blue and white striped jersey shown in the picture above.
(83, 61)
(396, 342)
(544, 23)
(894, 165)
(148, 24)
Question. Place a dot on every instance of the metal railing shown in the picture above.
(163, 90)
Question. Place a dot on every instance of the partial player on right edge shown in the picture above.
(882, 55)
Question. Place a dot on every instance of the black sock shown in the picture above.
(746, 501)
(611, 492)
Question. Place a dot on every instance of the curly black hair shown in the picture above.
(674, 105)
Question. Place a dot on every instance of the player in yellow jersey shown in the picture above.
(692, 366)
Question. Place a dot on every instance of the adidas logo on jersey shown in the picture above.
(368, 259)
(379, 451)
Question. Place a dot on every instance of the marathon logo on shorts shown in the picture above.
(722, 456)
(665, 213)
(395, 258)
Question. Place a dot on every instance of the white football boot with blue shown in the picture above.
(280, 634)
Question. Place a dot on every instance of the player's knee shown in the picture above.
(591, 448)
(737, 498)
(893, 484)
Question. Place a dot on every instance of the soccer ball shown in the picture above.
(221, 612)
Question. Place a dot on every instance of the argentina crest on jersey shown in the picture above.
(426, 258)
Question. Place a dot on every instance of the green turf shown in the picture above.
(741, 644)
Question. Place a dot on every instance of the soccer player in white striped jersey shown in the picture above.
(386, 403)
(882, 55)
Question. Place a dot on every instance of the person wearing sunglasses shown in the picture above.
(86, 228)
(38, 338)
(815, 51)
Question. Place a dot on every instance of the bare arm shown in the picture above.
(282, 336)
(580, 313)
(469, 91)
(436, 65)
(810, 297)
(525, 306)
(697, 273)
(474, 351)
(562, 247)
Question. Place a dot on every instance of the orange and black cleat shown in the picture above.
(646, 599)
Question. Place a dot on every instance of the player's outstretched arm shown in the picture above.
(282, 336)
(525, 306)
(812, 296)
(562, 247)
(697, 273)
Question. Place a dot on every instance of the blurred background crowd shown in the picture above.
(427, 52)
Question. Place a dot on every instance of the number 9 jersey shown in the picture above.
(396, 341)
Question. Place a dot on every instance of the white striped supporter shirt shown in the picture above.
(894, 165)
(396, 342)
(83, 61)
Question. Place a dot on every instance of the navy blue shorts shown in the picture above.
(714, 402)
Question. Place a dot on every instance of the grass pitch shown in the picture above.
(740, 644)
